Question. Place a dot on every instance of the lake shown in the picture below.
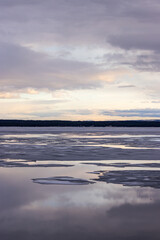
(79, 183)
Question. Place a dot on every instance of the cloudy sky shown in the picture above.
(80, 59)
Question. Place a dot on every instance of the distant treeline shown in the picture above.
(61, 123)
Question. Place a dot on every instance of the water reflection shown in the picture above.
(32, 211)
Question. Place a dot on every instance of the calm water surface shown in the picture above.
(32, 211)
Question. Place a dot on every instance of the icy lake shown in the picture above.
(79, 183)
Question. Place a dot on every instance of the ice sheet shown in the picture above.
(76, 144)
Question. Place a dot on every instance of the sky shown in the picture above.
(80, 59)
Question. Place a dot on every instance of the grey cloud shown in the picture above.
(72, 21)
(121, 23)
(143, 61)
(149, 113)
(59, 113)
(141, 40)
(22, 68)
(126, 86)
(158, 101)
(148, 62)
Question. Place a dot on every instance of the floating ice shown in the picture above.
(143, 178)
(62, 181)
(123, 165)
(80, 143)
(21, 163)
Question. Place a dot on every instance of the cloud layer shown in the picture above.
(22, 68)
(70, 44)
(143, 113)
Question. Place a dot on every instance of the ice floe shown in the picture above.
(6, 163)
(62, 180)
(123, 165)
(142, 178)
